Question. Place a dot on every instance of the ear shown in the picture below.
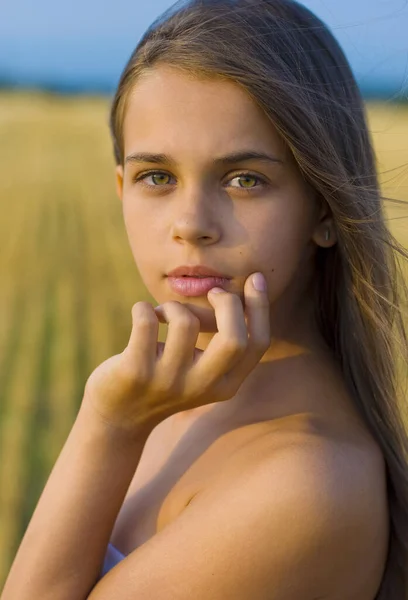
(119, 181)
(324, 225)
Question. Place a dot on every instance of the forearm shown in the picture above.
(62, 551)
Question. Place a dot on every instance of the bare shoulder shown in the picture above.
(329, 486)
(339, 474)
(341, 467)
(338, 466)
(334, 452)
(296, 515)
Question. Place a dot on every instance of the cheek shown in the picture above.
(278, 250)
(140, 229)
(140, 222)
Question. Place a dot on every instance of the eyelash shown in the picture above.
(140, 179)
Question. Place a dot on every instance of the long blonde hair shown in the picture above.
(291, 65)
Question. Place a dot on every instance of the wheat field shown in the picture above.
(68, 279)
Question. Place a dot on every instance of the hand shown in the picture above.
(149, 381)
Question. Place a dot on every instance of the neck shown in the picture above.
(286, 379)
(284, 382)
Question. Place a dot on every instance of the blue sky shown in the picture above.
(84, 44)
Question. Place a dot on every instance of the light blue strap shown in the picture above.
(112, 557)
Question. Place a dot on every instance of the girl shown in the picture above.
(260, 451)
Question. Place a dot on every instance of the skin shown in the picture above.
(332, 494)
(198, 213)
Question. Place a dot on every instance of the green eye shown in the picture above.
(152, 174)
(157, 178)
(243, 177)
(159, 175)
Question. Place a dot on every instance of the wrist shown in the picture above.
(99, 425)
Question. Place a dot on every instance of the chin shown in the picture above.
(206, 316)
(199, 306)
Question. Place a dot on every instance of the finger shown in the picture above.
(141, 349)
(182, 334)
(228, 344)
(257, 311)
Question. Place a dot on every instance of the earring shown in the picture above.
(327, 236)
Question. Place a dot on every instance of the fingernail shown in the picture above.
(216, 290)
(259, 283)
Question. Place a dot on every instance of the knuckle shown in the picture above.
(140, 374)
(167, 386)
(141, 306)
(235, 345)
(143, 314)
(196, 324)
(183, 321)
(169, 304)
(187, 321)
(141, 378)
(262, 342)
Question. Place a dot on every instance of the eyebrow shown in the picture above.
(235, 157)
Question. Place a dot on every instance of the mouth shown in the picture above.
(196, 280)
(197, 272)
(186, 285)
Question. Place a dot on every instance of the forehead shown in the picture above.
(167, 107)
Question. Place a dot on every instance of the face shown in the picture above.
(235, 217)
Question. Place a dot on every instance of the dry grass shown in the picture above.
(69, 280)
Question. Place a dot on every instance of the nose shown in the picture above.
(194, 220)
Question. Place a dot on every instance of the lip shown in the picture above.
(196, 286)
(196, 271)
